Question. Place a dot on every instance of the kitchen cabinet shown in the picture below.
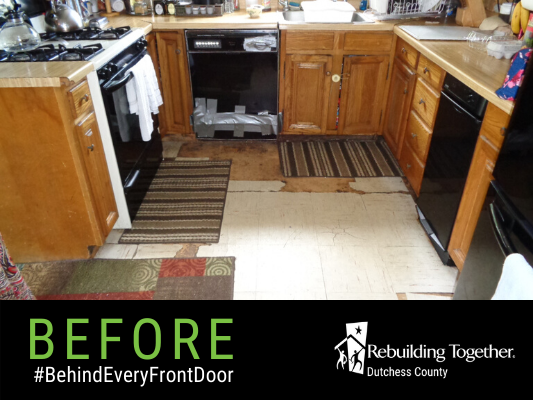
(479, 176)
(363, 80)
(177, 94)
(402, 84)
(314, 66)
(57, 202)
(308, 83)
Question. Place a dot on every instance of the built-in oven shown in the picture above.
(137, 159)
(234, 79)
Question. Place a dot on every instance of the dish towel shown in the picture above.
(144, 96)
(516, 282)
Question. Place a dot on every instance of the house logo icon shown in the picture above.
(352, 348)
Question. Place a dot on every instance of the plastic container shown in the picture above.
(380, 6)
(505, 48)
(327, 11)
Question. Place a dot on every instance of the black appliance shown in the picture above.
(137, 159)
(89, 34)
(222, 68)
(506, 222)
(453, 142)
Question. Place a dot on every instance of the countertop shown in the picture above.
(476, 69)
(482, 73)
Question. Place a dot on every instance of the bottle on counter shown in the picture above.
(236, 5)
(229, 6)
(266, 5)
(140, 7)
(159, 7)
(171, 7)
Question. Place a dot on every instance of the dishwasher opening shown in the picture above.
(234, 80)
(453, 142)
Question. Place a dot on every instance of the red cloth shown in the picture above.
(12, 284)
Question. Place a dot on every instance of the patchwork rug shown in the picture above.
(156, 279)
(347, 158)
(184, 204)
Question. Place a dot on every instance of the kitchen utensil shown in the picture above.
(98, 22)
(62, 18)
(16, 35)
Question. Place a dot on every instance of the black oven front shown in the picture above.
(138, 160)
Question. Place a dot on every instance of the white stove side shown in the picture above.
(124, 220)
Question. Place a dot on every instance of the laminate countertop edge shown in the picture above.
(461, 53)
(43, 74)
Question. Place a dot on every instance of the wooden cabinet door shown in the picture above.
(307, 87)
(177, 95)
(401, 91)
(92, 152)
(152, 51)
(363, 86)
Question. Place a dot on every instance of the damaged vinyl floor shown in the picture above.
(310, 238)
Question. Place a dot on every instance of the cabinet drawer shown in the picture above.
(425, 102)
(368, 41)
(418, 136)
(431, 72)
(81, 99)
(310, 41)
(407, 53)
(412, 167)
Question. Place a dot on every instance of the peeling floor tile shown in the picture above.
(255, 186)
(379, 185)
(171, 149)
(117, 251)
(157, 250)
(114, 236)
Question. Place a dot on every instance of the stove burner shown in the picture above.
(50, 53)
(90, 34)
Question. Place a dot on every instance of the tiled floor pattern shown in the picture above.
(361, 241)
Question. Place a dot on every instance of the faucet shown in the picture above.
(285, 4)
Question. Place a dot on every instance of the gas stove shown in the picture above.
(52, 52)
(95, 45)
(89, 34)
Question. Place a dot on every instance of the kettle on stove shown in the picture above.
(16, 35)
(62, 18)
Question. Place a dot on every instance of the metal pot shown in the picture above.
(62, 18)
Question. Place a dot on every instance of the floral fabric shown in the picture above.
(12, 284)
(515, 76)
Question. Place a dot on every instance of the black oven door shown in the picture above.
(137, 159)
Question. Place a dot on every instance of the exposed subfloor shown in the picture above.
(310, 238)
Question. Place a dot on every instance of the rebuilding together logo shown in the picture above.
(353, 350)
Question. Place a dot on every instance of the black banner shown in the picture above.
(261, 348)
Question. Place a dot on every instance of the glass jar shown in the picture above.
(16, 35)
(140, 7)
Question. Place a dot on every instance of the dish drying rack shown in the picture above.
(403, 9)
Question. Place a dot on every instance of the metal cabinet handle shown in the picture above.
(426, 70)
(408, 166)
(91, 147)
(413, 135)
(405, 91)
(85, 98)
(178, 51)
(403, 50)
(89, 133)
(328, 73)
(421, 101)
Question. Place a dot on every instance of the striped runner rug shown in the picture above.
(184, 204)
(337, 158)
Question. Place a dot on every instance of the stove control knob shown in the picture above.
(142, 44)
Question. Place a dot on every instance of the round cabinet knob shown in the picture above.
(403, 50)
(328, 73)
(405, 91)
(421, 101)
(178, 51)
(85, 98)
(414, 135)
(336, 78)
(91, 147)
(408, 166)
(426, 70)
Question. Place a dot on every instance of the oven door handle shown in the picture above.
(113, 86)
(505, 243)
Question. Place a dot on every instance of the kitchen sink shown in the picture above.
(298, 16)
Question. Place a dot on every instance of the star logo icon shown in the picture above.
(358, 330)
